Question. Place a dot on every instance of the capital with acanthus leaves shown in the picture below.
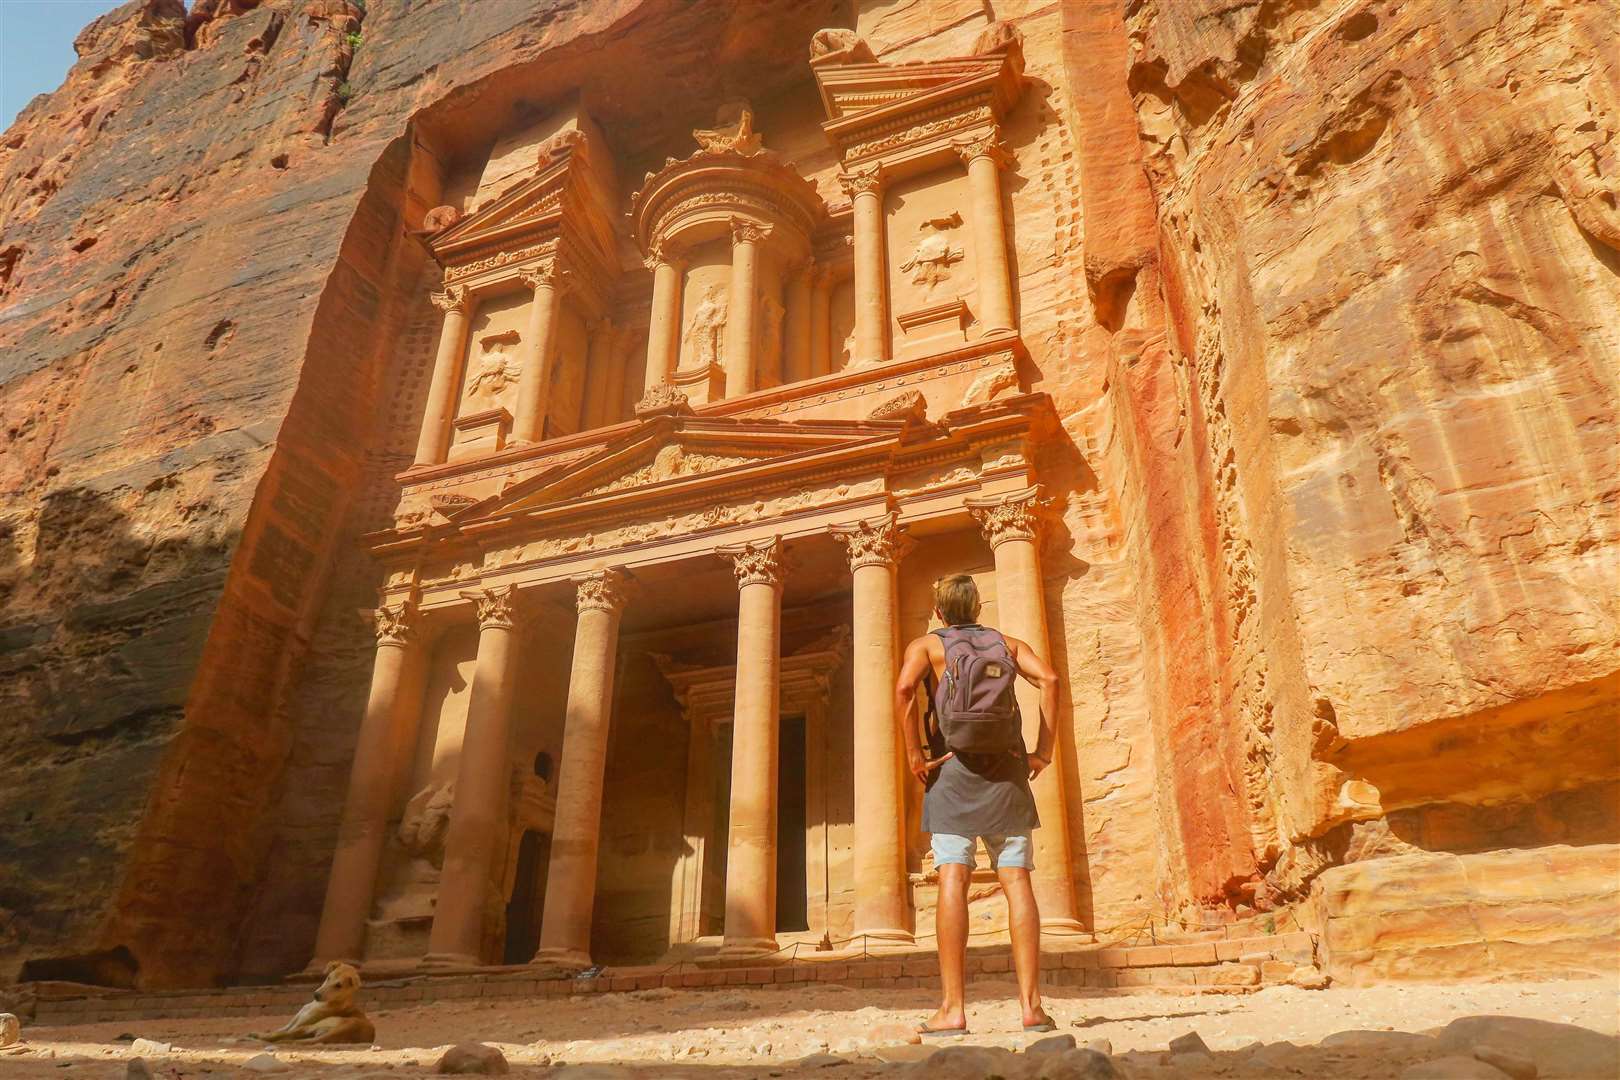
(986, 145)
(1017, 516)
(744, 231)
(757, 562)
(878, 541)
(454, 298)
(495, 606)
(867, 181)
(394, 624)
(601, 590)
(546, 273)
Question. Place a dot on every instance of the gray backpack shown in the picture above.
(975, 703)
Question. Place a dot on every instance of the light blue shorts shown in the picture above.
(1012, 852)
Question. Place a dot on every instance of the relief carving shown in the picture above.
(907, 406)
(931, 262)
(497, 369)
(988, 386)
(662, 398)
(426, 822)
(733, 131)
(454, 298)
(440, 218)
(705, 337)
(394, 624)
(867, 181)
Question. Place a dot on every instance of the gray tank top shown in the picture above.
(977, 794)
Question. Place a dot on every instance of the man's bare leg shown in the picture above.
(1024, 924)
(950, 928)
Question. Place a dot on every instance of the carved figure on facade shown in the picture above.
(662, 398)
(910, 405)
(497, 369)
(733, 131)
(705, 337)
(931, 261)
(440, 218)
(426, 821)
(993, 382)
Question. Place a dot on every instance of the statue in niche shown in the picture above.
(931, 262)
(733, 131)
(705, 337)
(496, 369)
(847, 352)
(770, 329)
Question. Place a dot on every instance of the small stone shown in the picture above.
(149, 1046)
(265, 1063)
(761, 1048)
(846, 1046)
(1454, 1067)
(137, 1069)
(473, 1057)
(1276, 1055)
(821, 1061)
(10, 1030)
(1052, 1044)
(1190, 1043)
(892, 1034)
(902, 1052)
(1515, 1065)
(1308, 978)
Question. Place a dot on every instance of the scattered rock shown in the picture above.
(1052, 1044)
(472, 1057)
(596, 1072)
(265, 1063)
(1454, 1067)
(10, 1030)
(137, 1069)
(1556, 1049)
(1190, 1043)
(1308, 978)
(820, 1061)
(1274, 1055)
(761, 1048)
(1511, 1062)
(1101, 1046)
(902, 1052)
(969, 1063)
(1075, 1065)
(892, 1034)
(1395, 1042)
(142, 1047)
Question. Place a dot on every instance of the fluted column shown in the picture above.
(387, 732)
(882, 911)
(742, 351)
(565, 928)
(1012, 524)
(865, 189)
(796, 326)
(433, 444)
(539, 351)
(984, 157)
(750, 927)
(478, 814)
(821, 322)
(664, 331)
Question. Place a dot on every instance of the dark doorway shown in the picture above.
(528, 898)
(792, 889)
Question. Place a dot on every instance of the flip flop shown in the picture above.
(1047, 1024)
(940, 1033)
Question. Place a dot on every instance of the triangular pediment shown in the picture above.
(667, 452)
(849, 90)
(523, 204)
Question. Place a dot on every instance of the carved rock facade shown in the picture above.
(1272, 385)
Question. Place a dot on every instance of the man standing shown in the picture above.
(981, 788)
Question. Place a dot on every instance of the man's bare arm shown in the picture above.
(913, 667)
(1045, 678)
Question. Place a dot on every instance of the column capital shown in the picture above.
(548, 272)
(454, 298)
(394, 624)
(986, 145)
(867, 181)
(757, 562)
(601, 590)
(878, 541)
(658, 255)
(495, 607)
(1017, 516)
(744, 231)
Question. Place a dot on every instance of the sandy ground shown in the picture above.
(735, 1033)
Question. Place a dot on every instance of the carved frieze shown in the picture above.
(465, 270)
(920, 133)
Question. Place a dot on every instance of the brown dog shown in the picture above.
(333, 1017)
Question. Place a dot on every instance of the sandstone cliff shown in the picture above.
(1323, 290)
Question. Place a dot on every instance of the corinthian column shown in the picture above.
(478, 814)
(433, 444)
(664, 331)
(751, 842)
(796, 329)
(984, 157)
(882, 913)
(1012, 524)
(742, 352)
(565, 928)
(387, 731)
(539, 351)
(821, 322)
(865, 190)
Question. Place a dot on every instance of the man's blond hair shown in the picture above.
(956, 598)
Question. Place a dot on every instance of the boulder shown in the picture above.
(1556, 1049)
(1511, 1062)
(472, 1057)
(1052, 1044)
(10, 1030)
(1454, 1067)
(149, 1046)
(971, 1063)
(1076, 1065)
(137, 1069)
(1190, 1043)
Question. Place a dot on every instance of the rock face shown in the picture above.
(1323, 294)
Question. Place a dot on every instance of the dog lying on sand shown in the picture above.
(333, 1016)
